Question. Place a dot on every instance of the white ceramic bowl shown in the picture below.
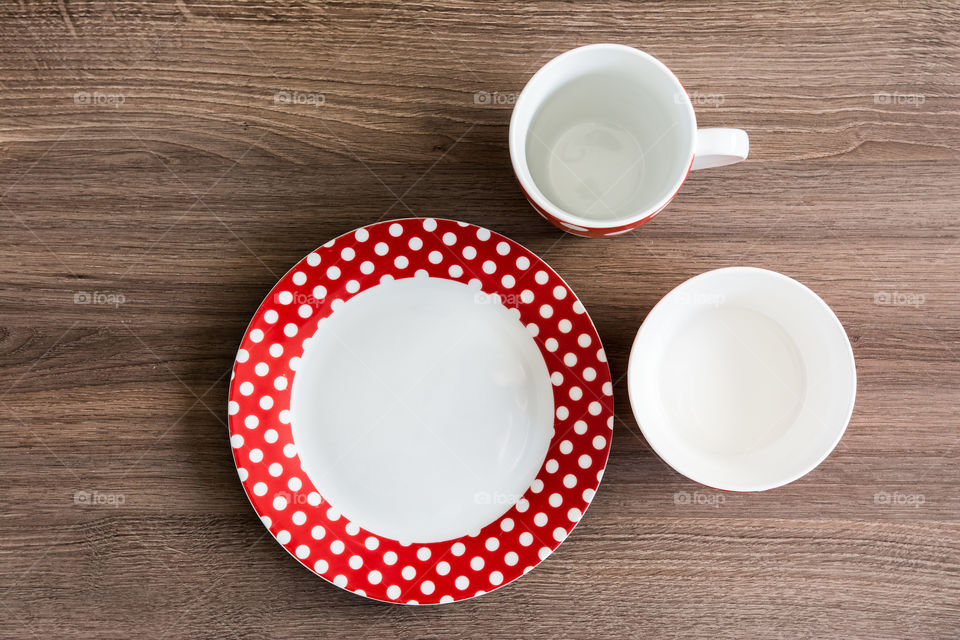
(742, 379)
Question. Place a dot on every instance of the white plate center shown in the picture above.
(422, 409)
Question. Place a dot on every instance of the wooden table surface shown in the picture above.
(153, 190)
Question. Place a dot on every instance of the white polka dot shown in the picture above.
(541, 277)
(435, 257)
(337, 547)
(333, 514)
(267, 522)
(283, 537)
(275, 469)
(246, 388)
(256, 455)
(476, 563)
(565, 326)
(294, 483)
(333, 272)
(580, 427)
(362, 235)
(559, 292)
(449, 238)
(483, 234)
(374, 577)
(526, 538)
(511, 558)
(348, 254)
(396, 230)
(573, 515)
(290, 330)
(266, 402)
(261, 369)
(251, 421)
(366, 267)
(390, 558)
(584, 461)
(551, 344)
(318, 532)
(284, 416)
(321, 566)
(256, 335)
(607, 388)
(507, 524)
(423, 553)
(401, 262)
(381, 248)
(523, 263)
(533, 329)
(503, 248)
(569, 481)
(563, 413)
(353, 286)
(280, 383)
(489, 266)
(455, 271)
(443, 568)
(496, 577)
(271, 316)
(589, 374)
(551, 466)
(340, 580)
(594, 408)
(313, 498)
(408, 573)
(601, 355)
(236, 441)
(427, 587)
(233, 407)
(570, 359)
(276, 350)
(429, 224)
(536, 486)
(260, 489)
(555, 500)
(540, 519)
(352, 528)
(355, 562)
(508, 281)
(279, 503)
(371, 543)
(289, 450)
(469, 253)
(599, 442)
(458, 549)
(303, 551)
(462, 582)
(492, 544)
(546, 311)
(305, 311)
(313, 259)
(584, 340)
(522, 505)
(559, 534)
(299, 278)
(284, 297)
(543, 553)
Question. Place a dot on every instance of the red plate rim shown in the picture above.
(311, 529)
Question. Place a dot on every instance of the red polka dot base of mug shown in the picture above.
(281, 340)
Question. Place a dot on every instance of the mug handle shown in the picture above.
(719, 147)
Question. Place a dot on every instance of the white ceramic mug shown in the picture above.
(602, 137)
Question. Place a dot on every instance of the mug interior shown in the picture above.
(742, 379)
(602, 135)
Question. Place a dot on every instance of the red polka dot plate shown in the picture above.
(420, 411)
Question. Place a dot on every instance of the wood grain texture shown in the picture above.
(183, 187)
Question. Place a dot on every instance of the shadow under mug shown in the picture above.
(602, 137)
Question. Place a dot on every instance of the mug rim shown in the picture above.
(816, 305)
(518, 153)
